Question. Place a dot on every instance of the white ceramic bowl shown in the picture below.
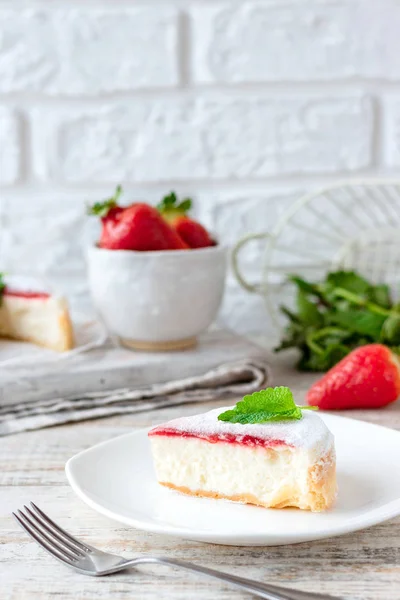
(157, 300)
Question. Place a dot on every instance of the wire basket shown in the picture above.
(353, 225)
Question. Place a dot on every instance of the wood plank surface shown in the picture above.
(363, 565)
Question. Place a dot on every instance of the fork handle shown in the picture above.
(261, 590)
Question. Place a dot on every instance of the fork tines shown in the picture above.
(51, 536)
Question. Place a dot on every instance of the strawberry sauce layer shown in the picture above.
(26, 294)
(213, 438)
(309, 432)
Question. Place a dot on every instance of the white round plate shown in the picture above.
(117, 479)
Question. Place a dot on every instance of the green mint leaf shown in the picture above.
(348, 280)
(293, 338)
(380, 295)
(390, 333)
(362, 322)
(305, 286)
(308, 312)
(346, 284)
(330, 335)
(325, 360)
(271, 404)
(289, 314)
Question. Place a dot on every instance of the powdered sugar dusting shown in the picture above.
(310, 432)
(25, 283)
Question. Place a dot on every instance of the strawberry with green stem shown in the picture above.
(137, 227)
(175, 213)
(108, 208)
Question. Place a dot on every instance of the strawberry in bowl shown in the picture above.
(176, 213)
(152, 289)
(137, 227)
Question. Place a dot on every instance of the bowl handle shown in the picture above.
(250, 287)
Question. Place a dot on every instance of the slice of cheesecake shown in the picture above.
(37, 317)
(274, 464)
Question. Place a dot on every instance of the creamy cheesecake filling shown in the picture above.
(274, 464)
(270, 477)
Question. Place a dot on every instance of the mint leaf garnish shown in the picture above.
(272, 404)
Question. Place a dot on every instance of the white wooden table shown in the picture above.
(363, 565)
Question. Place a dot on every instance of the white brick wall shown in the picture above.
(217, 137)
(11, 147)
(88, 51)
(245, 105)
(260, 41)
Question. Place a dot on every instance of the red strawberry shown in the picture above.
(192, 232)
(136, 227)
(368, 377)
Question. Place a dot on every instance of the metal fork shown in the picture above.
(90, 561)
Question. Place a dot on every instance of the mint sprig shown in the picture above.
(271, 404)
(337, 314)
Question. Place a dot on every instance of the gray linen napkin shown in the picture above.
(227, 382)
